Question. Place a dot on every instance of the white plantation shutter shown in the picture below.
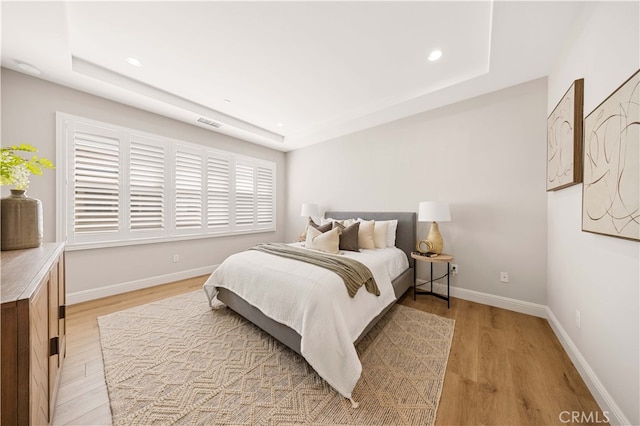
(218, 193)
(245, 182)
(265, 193)
(147, 185)
(96, 182)
(188, 183)
(255, 194)
(119, 186)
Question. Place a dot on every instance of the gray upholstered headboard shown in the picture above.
(405, 234)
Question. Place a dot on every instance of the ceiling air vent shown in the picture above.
(209, 122)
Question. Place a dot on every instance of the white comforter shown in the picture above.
(314, 302)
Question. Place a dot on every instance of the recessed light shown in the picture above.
(435, 55)
(133, 61)
(28, 68)
(280, 124)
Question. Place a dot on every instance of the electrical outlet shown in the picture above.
(454, 269)
(176, 258)
(578, 319)
(504, 277)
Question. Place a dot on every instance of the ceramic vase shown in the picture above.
(21, 219)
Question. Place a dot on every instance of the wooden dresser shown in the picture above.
(33, 333)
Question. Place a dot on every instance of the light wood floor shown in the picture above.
(505, 368)
(82, 395)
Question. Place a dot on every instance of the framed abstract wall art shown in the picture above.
(564, 139)
(611, 188)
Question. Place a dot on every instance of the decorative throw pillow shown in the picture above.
(380, 234)
(348, 236)
(391, 230)
(365, 234)
(321, 228)
(328, 241)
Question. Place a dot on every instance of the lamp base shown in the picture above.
(435, 238)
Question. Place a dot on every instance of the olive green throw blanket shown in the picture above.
(353, 273)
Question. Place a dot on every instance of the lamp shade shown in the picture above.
(433, 211)
(309, 210)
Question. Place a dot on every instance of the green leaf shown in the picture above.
(34, 168)
(10, 161)
(46, 163)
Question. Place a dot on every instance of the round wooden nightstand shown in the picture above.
(441, 258)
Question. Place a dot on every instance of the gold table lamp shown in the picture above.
(434, 212)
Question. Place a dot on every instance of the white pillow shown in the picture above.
(392, 227)
(391, 231)
(380, 234)
(365, 234)
(328, 241)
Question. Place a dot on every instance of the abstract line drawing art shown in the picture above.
(564, 139)
(611, 189)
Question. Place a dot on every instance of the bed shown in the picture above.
(339, 366)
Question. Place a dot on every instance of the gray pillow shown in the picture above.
(322, 228)
(348, 236)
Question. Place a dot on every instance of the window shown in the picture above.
(119, 186)
(96, 180)
(218, 195)
(147, 185)
(189, 196)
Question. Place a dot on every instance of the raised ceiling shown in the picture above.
(287, 74)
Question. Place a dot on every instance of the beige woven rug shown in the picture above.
(178, 362)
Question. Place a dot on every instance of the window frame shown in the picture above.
(66, 124)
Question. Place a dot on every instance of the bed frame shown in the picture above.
(405, 240)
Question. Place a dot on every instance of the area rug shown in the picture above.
(176, 361)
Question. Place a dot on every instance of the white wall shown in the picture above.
(485, 156)
(28, 115)
(595, 274)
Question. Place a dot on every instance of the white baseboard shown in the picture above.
(602, 397)
(493, 300)
(521, 306)
(112, 290)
